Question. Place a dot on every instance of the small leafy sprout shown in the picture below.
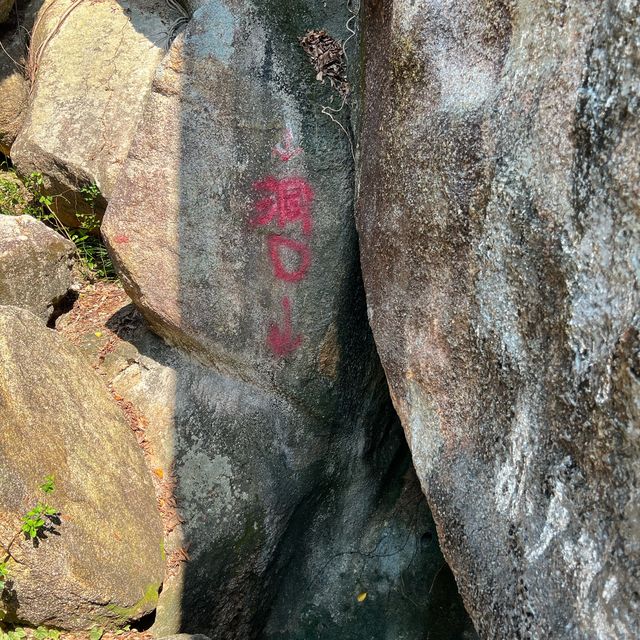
(49, 485)
(124, 629)
(96, 633)
(90, 193)
(16, 634)
(42, 633)
(41, 518)
(4, 574)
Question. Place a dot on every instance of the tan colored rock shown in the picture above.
(36, 265)
(105, 563)
(93, 65)
(14, 90)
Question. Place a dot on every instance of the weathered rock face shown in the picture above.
(15, 92)
(232, 230)
(232, 218)
(36, 265)
(498, 219)
(93, 66)
(105, 563)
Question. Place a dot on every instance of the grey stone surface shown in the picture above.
(180, 223)
(498, 220)
(36, 265)
(103, 564)
(286, 519)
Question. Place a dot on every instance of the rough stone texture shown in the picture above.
(279, 458)
(14, 87)
(93, 66)
(14, 90)
(283, 531)
(498, 219)
(105, 563)
(36, 265)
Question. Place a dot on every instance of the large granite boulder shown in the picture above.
(232, 225)
(498, 219)
(103, 564)
(93, 64)
(36, 266)
(232, 230)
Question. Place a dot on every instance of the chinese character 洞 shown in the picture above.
(288, 201)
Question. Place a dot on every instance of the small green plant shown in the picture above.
(4, 574)
(90, 193)
(123, 630)
(49, 485)
(93, 256)
(43, 633)
(34, 524)
(12, 200)
(96, 633)
(14, 634)
(43, 517)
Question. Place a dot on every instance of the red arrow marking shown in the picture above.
(281, 341)
(285, 149)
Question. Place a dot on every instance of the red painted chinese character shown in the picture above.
(289, 201)
(276, 244)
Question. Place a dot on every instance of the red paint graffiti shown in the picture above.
(121, 239)
(289, 201)
(285, 150)
(276, 244)
(282, 341)
(285, 201)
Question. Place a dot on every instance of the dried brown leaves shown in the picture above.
(327, 57)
